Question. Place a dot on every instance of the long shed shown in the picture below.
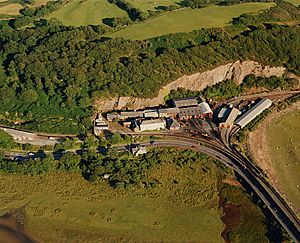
(257, 109)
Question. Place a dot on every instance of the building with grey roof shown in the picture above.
(130, 114)
(189, 112)
(205, 110)
(184, 102)
(168, 112)
(257, 109)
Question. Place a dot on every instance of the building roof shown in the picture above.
(189, 111)
(232, 116)
(153, 121)
(172, 110)
(204, 107)
(258, 108)
(131, 113)
(172, 123)
(184, 102)
(151, 114)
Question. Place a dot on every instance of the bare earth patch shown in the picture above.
(259, 148)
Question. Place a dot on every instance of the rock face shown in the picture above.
(198, 81)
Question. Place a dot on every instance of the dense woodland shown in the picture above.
(51, 74)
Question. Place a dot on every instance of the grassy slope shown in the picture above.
(144, 5)
(284, 143)
(86, 12)
(189, 19)
(75, 209)
(295, 2)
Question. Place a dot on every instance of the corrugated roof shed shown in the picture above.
(257, 109)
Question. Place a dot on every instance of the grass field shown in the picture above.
(145, 5)
(38, 3)
(295, 2)
(10, 9)
(189, 19)
(78, 12)
(284, 143)
(66, 208)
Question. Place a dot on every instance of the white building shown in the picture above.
(257, 109)
(155, 124)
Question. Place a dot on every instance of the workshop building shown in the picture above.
(185, 102)
(155, 124)
(168, 112)
(186, 113)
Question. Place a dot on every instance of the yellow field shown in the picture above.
(11, 9)
(284, 143)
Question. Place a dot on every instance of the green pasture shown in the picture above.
(78, 12)
(187, 20)
(284, 143)
(79, 211)
(145, 5)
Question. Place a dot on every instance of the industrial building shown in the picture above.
(231, 115)
(172, 124)
(155, 124)
(186, 113)
(205, 110)
(153, 113)
(130, 114)
(168, 112)
(185, 102)
(257, 109)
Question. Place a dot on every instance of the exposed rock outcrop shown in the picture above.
(198, 81)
